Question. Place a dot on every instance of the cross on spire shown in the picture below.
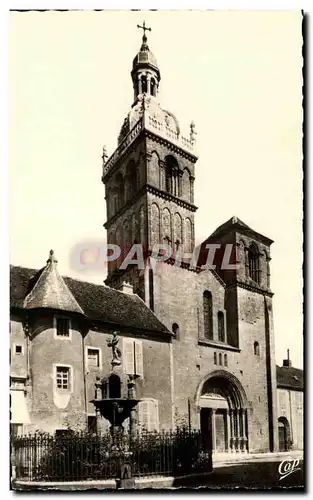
(144, 28)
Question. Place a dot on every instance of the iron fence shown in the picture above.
(81, 456)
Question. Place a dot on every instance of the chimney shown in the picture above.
(126, 288)
(287, 362)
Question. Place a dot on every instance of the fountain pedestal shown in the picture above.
(116, 410)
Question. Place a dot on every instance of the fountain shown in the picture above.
(116, 410)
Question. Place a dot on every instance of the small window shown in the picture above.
(225, 360)
(220, 359)
(18, 349)
(256, 349)
(63, 378)
(63, 327)
(175, 330)
(93, 357)
(215, 358)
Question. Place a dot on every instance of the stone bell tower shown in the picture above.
(149, 178)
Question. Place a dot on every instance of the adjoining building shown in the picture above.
(290, 406)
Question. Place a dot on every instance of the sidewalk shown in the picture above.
(226, 459)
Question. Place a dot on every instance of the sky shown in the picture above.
(236, 74)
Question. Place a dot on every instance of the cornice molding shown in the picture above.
(217, 345)
(168, 196)
(148, 188)
(251, 288)
(132, 147)
(144, 133)
(172, 147)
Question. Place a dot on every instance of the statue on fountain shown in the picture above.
(116, 352)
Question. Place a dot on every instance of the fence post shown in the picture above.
(13, 459)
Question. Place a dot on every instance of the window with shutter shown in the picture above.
(154, 415)
(128, 356)
(132, 357)
(138, 358)
(144, 414)
(149, 414)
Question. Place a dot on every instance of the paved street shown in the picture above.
(254, 473)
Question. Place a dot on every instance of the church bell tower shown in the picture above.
(149, 178)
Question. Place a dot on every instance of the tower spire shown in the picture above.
(145, 73)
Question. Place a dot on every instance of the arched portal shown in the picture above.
(284, 434)
(223, 413)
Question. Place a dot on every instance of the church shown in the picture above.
(201, 353)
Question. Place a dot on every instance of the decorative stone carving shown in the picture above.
(104, 154)
(116, 352)
(193, 132)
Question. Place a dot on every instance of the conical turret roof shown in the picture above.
(50, 290)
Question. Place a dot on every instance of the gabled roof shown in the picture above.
(98, 302)
(235, 224)
(50, 291)
(289, 377)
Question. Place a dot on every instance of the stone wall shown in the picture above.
(50, 409)
(290, 406)
(178, 298)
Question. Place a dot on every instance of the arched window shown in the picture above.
(144, 83)
(120, 190)
(225, 360)
(114, 386)
(221, 326)
(208, 315)
(268, 272)
(131, 173)
(256, 349)
(215, 358)
(220, 359)
(175, 330)
(171, 175)
(153, 87)
(254, 263)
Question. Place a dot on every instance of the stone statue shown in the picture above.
(104, 154)
(116, 352)
(193, 132)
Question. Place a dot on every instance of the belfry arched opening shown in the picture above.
(223, 414)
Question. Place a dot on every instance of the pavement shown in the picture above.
(260, 471)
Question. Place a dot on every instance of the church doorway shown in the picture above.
(283, 434)
(223, 415)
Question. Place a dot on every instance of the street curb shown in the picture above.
(142, 483)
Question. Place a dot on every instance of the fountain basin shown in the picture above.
(115, 410)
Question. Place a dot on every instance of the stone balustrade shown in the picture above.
(153, 125)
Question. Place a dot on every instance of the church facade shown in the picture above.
(195, 324)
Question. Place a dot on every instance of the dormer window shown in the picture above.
(62, 326)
